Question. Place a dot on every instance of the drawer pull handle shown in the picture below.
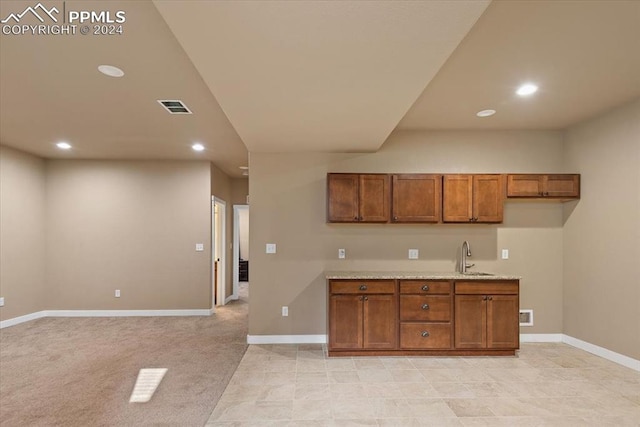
(363, 287)
(425, 334)
(425, 288)
(425, 306)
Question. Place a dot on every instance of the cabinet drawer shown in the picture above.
(425, 308)
(487, 288)
(362, 286)
(424, 287)
(425, 335)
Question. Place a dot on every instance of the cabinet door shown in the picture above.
(524, 185)
(416, 198)
(503, 329)
(562, 186)
(374, 198)
(380, 322)
(488, 198)
(345, 321)
(457, 196)
(470, 321)
(342, 197)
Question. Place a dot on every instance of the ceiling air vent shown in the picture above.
(175, 107)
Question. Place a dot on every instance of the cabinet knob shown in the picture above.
(425, 334)
(490, 298)
(366, 298)
(425, 306)
(484, 298)
(395, 218)
(363, 287)
(546, 193)
(425, 288)
(355, 218)
(359, 218)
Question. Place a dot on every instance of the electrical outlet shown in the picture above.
(342, 254)
(271, 248)
(1, 301)
(199, 247)
(117, 293)
(505, 254)
(413, 253)
(285, 311)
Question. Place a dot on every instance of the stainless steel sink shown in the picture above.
(476, 273)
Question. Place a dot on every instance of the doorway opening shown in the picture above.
(240, 248)
(218, 251)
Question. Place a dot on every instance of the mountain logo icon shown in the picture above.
(43, 11)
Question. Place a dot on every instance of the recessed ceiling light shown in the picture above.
(485, 113)
(527, 89)
(244, 168)
(63, 145)
(245, 173)
(197, 147)
(110, 70)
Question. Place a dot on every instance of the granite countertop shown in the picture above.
(414, 275)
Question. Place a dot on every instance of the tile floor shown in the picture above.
(545, 385)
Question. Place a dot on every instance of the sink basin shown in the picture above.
(477, 273)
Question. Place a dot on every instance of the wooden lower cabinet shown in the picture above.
(423, 317)
(486, 315)
(361, 318)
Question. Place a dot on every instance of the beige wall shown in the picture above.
(22, 235)
(602, 233)
(288, 205)
(128, 225)
(239, 191)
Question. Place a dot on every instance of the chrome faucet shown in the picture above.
(466, 252)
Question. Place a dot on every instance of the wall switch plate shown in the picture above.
(413, 253)
(285, 311)
(505, 254)
(271, 248)
(1, 301)
(199, 247)
(342, 254)
(117, 293)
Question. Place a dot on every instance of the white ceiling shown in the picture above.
(308, 75)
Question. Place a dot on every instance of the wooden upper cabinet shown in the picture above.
(416, 198)
(559, 186)
(358, 197)
(374, 195)
(342, 197)
(472, 198)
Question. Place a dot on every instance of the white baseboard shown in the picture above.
(618, 358)
(22, 319)
(286, 339)
(230, 298)
(540, 337)
(104, 313)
